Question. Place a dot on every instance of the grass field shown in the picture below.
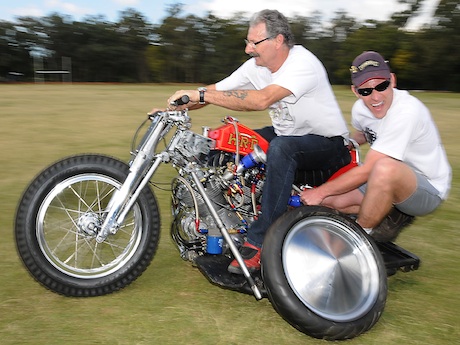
(172, 302)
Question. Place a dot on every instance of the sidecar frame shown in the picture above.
(214, 268)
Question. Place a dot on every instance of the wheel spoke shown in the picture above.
(80, 199)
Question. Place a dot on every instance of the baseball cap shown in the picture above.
(369, 65)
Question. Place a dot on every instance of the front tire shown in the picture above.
(56, 227)
(323, 274)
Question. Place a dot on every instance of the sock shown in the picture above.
(368, 230)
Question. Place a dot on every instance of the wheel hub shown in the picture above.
(89, 224)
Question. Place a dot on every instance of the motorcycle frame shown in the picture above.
(142, 168)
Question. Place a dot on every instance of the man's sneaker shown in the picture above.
(251, 257)
(391, 226)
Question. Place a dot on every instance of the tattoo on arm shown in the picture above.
(236, 93)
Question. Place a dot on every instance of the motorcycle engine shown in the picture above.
(234, 192)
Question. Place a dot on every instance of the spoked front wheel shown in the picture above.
(58, 219)
(323, 274)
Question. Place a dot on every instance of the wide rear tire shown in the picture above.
(56, 227)
(323, 274)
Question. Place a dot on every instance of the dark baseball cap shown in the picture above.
(369, 65)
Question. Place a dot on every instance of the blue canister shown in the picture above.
(295, 201)
(214, 244)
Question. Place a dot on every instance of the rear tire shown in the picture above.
(323, 274)
(56, 228)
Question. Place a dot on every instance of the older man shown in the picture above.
(308, 131)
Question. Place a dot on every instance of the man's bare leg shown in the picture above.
(390, 181)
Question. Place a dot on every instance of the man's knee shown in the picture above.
(384, 171)
(393, 178)
(279, 147)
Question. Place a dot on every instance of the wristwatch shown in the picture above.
(202, 90)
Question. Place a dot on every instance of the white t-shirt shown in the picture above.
(409, 134)
(311, 108)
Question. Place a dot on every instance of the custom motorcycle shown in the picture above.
(89, 225)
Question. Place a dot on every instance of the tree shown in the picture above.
(135, 33)
(172, 36)
(14, 55)
(400, 19)
(224, 47)
(187, 48)
(447, 15)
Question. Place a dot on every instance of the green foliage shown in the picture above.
(187, 48)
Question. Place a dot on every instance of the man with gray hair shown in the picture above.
(308, 130)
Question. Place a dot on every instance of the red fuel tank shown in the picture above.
(226, 140)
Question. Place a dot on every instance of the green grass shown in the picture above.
(172, 302)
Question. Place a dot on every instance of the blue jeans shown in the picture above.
(285, 155)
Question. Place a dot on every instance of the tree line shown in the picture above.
(192, 49)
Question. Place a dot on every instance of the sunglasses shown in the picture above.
(368, 90)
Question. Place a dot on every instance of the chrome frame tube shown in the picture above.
(138, 190)
(226, 236)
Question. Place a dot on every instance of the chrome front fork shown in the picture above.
(123, 199)
(140, 172)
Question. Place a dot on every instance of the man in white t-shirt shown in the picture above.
(406, 166)
(308, 130)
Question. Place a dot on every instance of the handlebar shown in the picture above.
(181, 101)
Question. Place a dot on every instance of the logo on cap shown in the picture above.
(354, 69)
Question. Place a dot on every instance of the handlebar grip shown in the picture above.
(181, 101)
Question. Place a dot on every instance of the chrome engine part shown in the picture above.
(192, 147)
(235, 200)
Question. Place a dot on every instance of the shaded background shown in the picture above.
(193, 49)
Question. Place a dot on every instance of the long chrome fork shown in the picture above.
(226, 236)
(141, 170)
(123, 199)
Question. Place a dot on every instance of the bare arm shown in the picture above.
(359, 137)
(239, 100)
(349, 181)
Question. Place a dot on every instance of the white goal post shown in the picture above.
(65, 72)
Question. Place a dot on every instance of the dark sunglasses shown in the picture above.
(368, 90)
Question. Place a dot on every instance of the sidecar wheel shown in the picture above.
(56, 227)
(323, 274)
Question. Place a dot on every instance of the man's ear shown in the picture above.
(393, 80)
(279, 40)
(353, 89)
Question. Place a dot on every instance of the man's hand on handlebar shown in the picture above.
(180, 100)
(178, 104)
(183, 99)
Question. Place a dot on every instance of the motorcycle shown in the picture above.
(89, 225)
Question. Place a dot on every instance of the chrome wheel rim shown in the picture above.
(65, 224)
(331, 268)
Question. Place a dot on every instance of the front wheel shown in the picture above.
(57, 222)
(323, 274)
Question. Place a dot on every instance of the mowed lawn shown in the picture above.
(172, 302)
